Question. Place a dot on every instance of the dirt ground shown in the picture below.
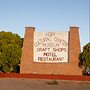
(35, 84)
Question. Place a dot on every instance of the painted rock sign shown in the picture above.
(51, 47)
(50, 52)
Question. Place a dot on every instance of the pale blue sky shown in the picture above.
(45, 15)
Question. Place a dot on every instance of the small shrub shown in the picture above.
(54, 82)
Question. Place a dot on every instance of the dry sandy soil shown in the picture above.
(35, 84)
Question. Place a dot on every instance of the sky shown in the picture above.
(45, 16)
